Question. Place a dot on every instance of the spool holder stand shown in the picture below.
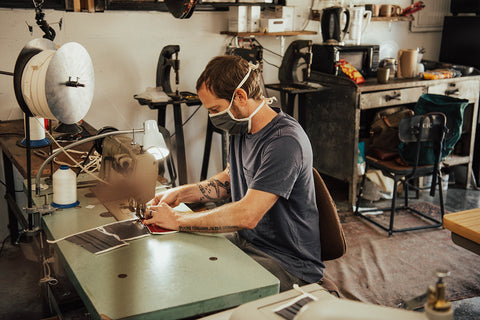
(32, 226)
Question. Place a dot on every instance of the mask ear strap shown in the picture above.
(244, 79)
(270, 100)
(253, 66)
(250, 68)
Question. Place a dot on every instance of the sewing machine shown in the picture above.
(130, 172)
(314, 302)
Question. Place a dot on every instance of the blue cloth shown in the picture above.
(278, 160)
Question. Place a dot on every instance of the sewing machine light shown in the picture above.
(153, 141)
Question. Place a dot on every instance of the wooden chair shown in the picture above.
(418, 130)
(332, 238)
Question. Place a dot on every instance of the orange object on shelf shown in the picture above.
(350, 71)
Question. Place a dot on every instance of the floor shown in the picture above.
(20, 274)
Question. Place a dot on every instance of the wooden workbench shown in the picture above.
(465, 227)
(11, 132)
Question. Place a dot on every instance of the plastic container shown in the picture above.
(64, 188)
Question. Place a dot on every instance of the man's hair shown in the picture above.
(223, 74)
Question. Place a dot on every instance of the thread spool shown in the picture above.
(59, 84)
(64, 188)
(37, 133)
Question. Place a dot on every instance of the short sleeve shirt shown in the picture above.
(278, 160)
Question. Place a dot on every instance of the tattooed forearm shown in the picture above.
(214, 189)
(207, 229)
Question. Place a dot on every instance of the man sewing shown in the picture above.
(268, 177)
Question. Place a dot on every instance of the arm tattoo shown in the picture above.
(212, 189)
(207, 229)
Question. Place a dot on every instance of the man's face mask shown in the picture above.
(225, 120)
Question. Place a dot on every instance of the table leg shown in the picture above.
(301, 110)
(161, 115)
(10, 192)
(180, 143)
(206, 150)
(290, 103)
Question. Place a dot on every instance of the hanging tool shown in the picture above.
(48, 31)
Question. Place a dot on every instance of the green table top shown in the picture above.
(166, 276)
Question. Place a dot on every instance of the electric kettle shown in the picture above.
(332, 31)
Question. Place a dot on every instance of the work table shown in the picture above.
(340, 117)
(167, 276)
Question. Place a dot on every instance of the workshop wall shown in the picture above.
(124, 47)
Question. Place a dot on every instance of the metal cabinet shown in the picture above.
(336, 118)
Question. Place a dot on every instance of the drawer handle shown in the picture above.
(395, 96)
(451, 92)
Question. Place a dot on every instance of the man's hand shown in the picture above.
(163, 216)
(170, 197)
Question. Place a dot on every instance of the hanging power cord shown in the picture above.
(307, 20)
(47, 278)
(188, 119)
(269, 63)
(3, 244)
(270, 51)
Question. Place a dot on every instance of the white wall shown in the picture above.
(124, 47)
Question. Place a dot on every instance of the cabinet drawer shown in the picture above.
(460, 89)
(390, 97)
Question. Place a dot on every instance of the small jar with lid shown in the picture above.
(390, 63)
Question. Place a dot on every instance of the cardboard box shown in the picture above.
(237, 19)
(272, 25)
(253, 21)
(286, 13)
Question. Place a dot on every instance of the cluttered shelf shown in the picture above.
(274, 34)
(393, 19)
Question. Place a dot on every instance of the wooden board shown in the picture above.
(464, 223)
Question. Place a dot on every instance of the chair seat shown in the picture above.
(398, 169)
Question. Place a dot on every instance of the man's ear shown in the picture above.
(241, 95)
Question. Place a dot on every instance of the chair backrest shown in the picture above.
(426, 127)
(332, 238)
(422, 138)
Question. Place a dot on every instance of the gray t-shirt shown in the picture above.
(278, 159)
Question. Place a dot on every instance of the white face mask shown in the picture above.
(225, 120)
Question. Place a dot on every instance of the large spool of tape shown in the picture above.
(55, 84)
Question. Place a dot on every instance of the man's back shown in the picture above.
(278, 159)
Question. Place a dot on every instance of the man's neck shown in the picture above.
(262, 117)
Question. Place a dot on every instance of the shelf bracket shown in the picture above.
(282, 45)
